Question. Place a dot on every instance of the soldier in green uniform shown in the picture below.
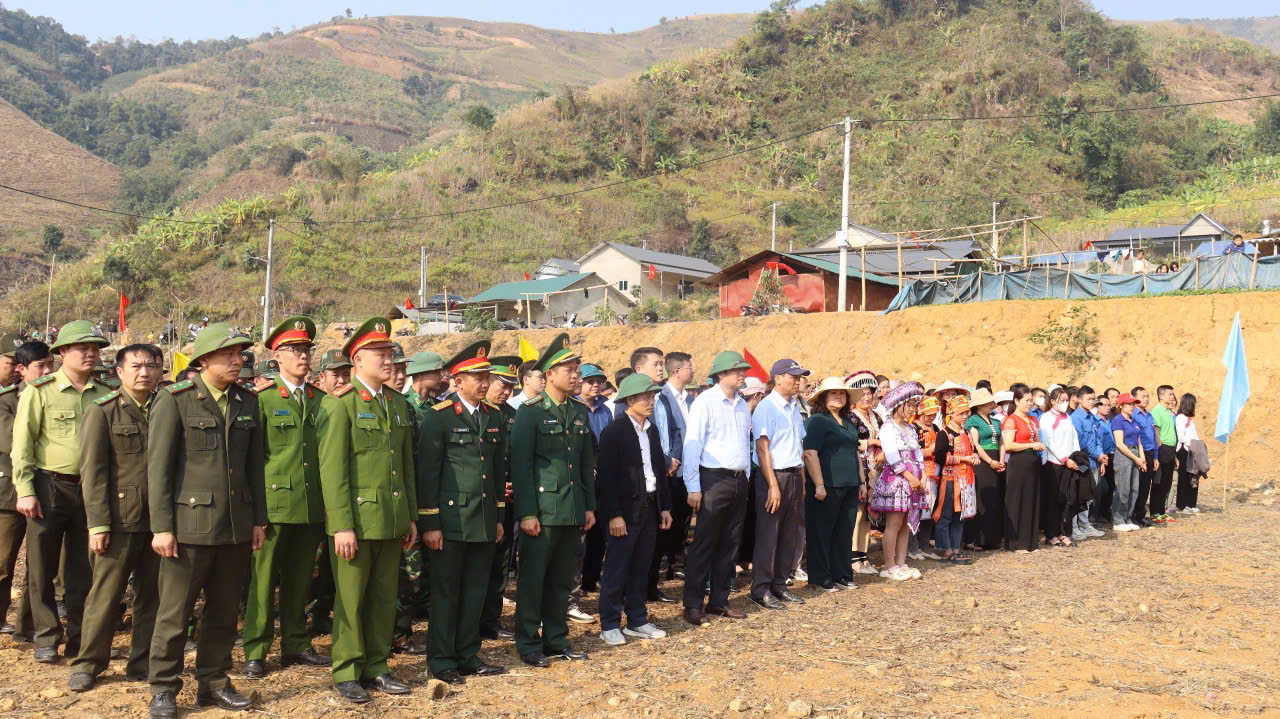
(287, 409)
(502, 384)
(399, 368)
(413, 595)
(366, 473)
(332, 374)
(426, 378)
(552, 466)
(208, 514)
(460, 483)
(334, 371)
(113, 481)
(268, 368)
(46, 475)
(247, 376)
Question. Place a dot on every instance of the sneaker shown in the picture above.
(1079, 536)
(929, 554)
(845, 584)
(1193, 510)
(645, 631)
(1095, 532)
(915, 573)
(915, 555)
(578, 616)
(887, 572)
(830, 587)
(866, 568)
(800, 575)
(613, 637)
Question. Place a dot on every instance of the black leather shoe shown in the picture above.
(496, 633)
(536, 659)
(164, 706)
(387, 684)
(310, 658)
(569, 654)
(787, 596)
(485, 670)
(658, 596)
(62, 610)
(254, 669)
(7, 628)
(451, 676)
(80, 681)
(768, 601)
(352, 692)
(22, 638)
(225, 698)
(118, 653)
(47, 655)
(409, 645)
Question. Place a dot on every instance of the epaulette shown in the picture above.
(315, 388)
(343, 390)
(182, 386)
(578, 400)
(532, 402)
(263, 384)
(42, 380)
(11, 388)
(442, 405)
(103, 400)
(494, 406)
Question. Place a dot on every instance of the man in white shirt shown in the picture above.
(532, 382)
(716, 457)
(675, 399)
(1140, 264)
(778, 430)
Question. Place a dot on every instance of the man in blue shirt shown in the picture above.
(1237, 245)
(591, 548)
(1101, 416)
(1090, 434)
(1147, 424)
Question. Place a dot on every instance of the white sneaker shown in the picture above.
(645, 631)
(801, 575)
(915, 555)
(580, 617)
(915, 573)
(931, 555)
(866, 568)
(887, 573)
(613, 637)
(1079, 536)
(1193, 510)
(1095, 532)
(901, 574)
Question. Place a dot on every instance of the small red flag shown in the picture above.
(653, 272)
(526, 277)
(757, 370)
(124, 303)
(408, 304)
(1087, 244)
(780, 267)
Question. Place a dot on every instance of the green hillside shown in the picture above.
(1262, 31)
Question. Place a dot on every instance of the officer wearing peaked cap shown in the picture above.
(502, 383)
(552, 466)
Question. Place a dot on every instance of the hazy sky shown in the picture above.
(152, 20)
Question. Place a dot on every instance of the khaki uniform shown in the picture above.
(13, 526)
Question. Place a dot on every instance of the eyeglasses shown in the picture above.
(300, 350)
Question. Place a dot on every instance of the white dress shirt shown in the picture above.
(717, 436)
(682, 400)
(779, 419)
(470, 408)
(1058, 435)
(642, 431)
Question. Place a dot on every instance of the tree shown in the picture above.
(480, 117)
(1266, 129)
(700, 243)
(52, 239)
(348, 13)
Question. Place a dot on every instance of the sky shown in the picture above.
(154, 20)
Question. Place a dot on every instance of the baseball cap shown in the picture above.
(788, 366)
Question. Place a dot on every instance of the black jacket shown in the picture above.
(620, 486)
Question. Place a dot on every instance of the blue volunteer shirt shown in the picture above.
(598, 416)
(1130, 429)
(1147, 424)
(780, 421)
(1087, 431)
(1104, 430)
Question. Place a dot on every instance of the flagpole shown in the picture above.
(1226, 477)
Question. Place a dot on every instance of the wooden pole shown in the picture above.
(863, 306)
(1025, 239)
(1197, 273)
(528, 308)
(48, 307)
(1066, 287)
(1254, 272)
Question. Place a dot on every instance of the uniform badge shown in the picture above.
(366, 415)
(492, 429)
(381, 328)
(280, 412)
(577, 422)
(460, 430)
(300, 325)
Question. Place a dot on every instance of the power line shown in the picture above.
(103, 209)
(1063, 113)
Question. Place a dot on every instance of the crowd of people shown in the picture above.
(368, 490)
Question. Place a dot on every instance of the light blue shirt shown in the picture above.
(780, 420)
(718, 436)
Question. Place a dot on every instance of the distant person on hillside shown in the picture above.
(1140, 264)
(1162, 270)
(1237, 245)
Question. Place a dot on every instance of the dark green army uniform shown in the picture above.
(460, 483)
(504, 370)
(322, 590)
(367, 475)
(552, 466)
(295, 508)
(205, 486)
(113, 472)
(13, 526)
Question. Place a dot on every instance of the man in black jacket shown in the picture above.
(634, 500)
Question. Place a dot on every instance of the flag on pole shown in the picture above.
(526, 277)
(408, 303)
(653, 272)
(180, 362)
(526, 351)
(757, 370)
(1235, 389)
(124, 303)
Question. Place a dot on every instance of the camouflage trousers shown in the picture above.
(413, 599)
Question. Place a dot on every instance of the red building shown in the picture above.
(812, 284)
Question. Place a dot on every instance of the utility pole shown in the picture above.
(844, 221)
(266, 294)
(422, 279)
(773, 244)
(48, 307)
(995, 249)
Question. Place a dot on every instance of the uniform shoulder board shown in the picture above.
(182, 386)
(11, 388)
(343, 390)
(263, 384)
(491, 405)
(103, 400)
(42, 381)
(534, 401)
(578, 400)
(442, 405)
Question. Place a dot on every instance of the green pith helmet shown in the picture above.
(473, 358)
(218, 336)
(292, 330)
(267, 368)
(725, 361)
(557, 352)
(10, 344)
(504, 368)
(634, 385)
(246, 370)
(78, 332)
(422, 362)
(374, 332)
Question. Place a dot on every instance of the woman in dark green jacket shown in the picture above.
(831, 491)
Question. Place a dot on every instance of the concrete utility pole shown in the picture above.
(995, 249)
(266, 294)
(844, 221)
(773, 244)
(422, 279)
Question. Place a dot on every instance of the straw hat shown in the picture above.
(830, 384)
(949, 385)
(980, 397)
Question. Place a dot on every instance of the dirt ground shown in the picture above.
(1167, 622)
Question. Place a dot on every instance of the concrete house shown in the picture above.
(626, 267)
(555, 267)
(859, 236)
(1168, 239)
(551, 301)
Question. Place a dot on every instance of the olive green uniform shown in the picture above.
(366, 472)
(295, 510)
(460, 483)
(113, 471)
(13, 526)
(552, 467)
(205, 486)
(491, 615)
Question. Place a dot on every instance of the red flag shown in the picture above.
(757, 370)
(408, 304)
(653, 272)
(1087, 244)
(526, 277)
(124, 302)
(780, 267)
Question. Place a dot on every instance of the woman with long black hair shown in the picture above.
(986, 530)
(1189, 476)
(1022, 474)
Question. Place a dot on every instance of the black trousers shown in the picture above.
(593, 556)
(1022, 500)
(1188, 486)
(987, 528)
(829, 534)
(1144, 486)
(777, 540)
(1055, 515)
(715, 540)
(1162, 482)
(13, 529)
(671, 543)
(626, 569)
(64, 521)
(491, 615)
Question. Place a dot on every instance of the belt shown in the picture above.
(63, 477)
(788, 469)
(740, 474)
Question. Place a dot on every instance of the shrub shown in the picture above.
(478, 319)
(480, 117)
(1070, 341)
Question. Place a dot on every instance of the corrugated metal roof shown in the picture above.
(534, 289)
(914, 261)
(833, 266)
(665, 261)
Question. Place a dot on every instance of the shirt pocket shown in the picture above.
(126, 438)
(202, 434)
(366, 435)
(60, 422)
(461, 504)
(369, 518)
(281, 425)
(130, 502)
(196, 505)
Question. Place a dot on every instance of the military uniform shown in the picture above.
(13, 526)
(205, 487)
(295, 510)
(552, 480)
(113, 471)
(460, 484)
(366, 472)
(46, 464)
(322, 590)
(504, 370)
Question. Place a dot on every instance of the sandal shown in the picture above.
(959, 559)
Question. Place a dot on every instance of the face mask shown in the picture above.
(1061, 407)
(1040, 402)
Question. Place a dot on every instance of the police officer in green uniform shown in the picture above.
(113, 481)
(552, 466)
(502, 384)
(460, 482)
(287, 408)
(46, 475)
(208, 514)
(19, 365)
(366, 473)
(332, 374)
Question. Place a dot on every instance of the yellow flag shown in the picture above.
(526, 351)
(180, 362)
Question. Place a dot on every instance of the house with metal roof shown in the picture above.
(810, 281)
(555, 267)
(859, 236)
(1167, 239)
(553, 301)
(656, 274)
(919, 258)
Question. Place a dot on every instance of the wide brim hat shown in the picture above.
(634, 385)
(425, 361)
(246, 370)
(726, 361)
(1002, 396)
(949, 385)
(216, 336)
(862, 379)
(980, 397)
(473, 358)
(333, 359)
(752, 385)
(830, 384)
(505, 368)
(592, 370)
(558, 352)
(900, 394)
(78, 332)
(373, 333)
(292, 330)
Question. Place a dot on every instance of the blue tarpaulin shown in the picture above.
(1209, 273)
